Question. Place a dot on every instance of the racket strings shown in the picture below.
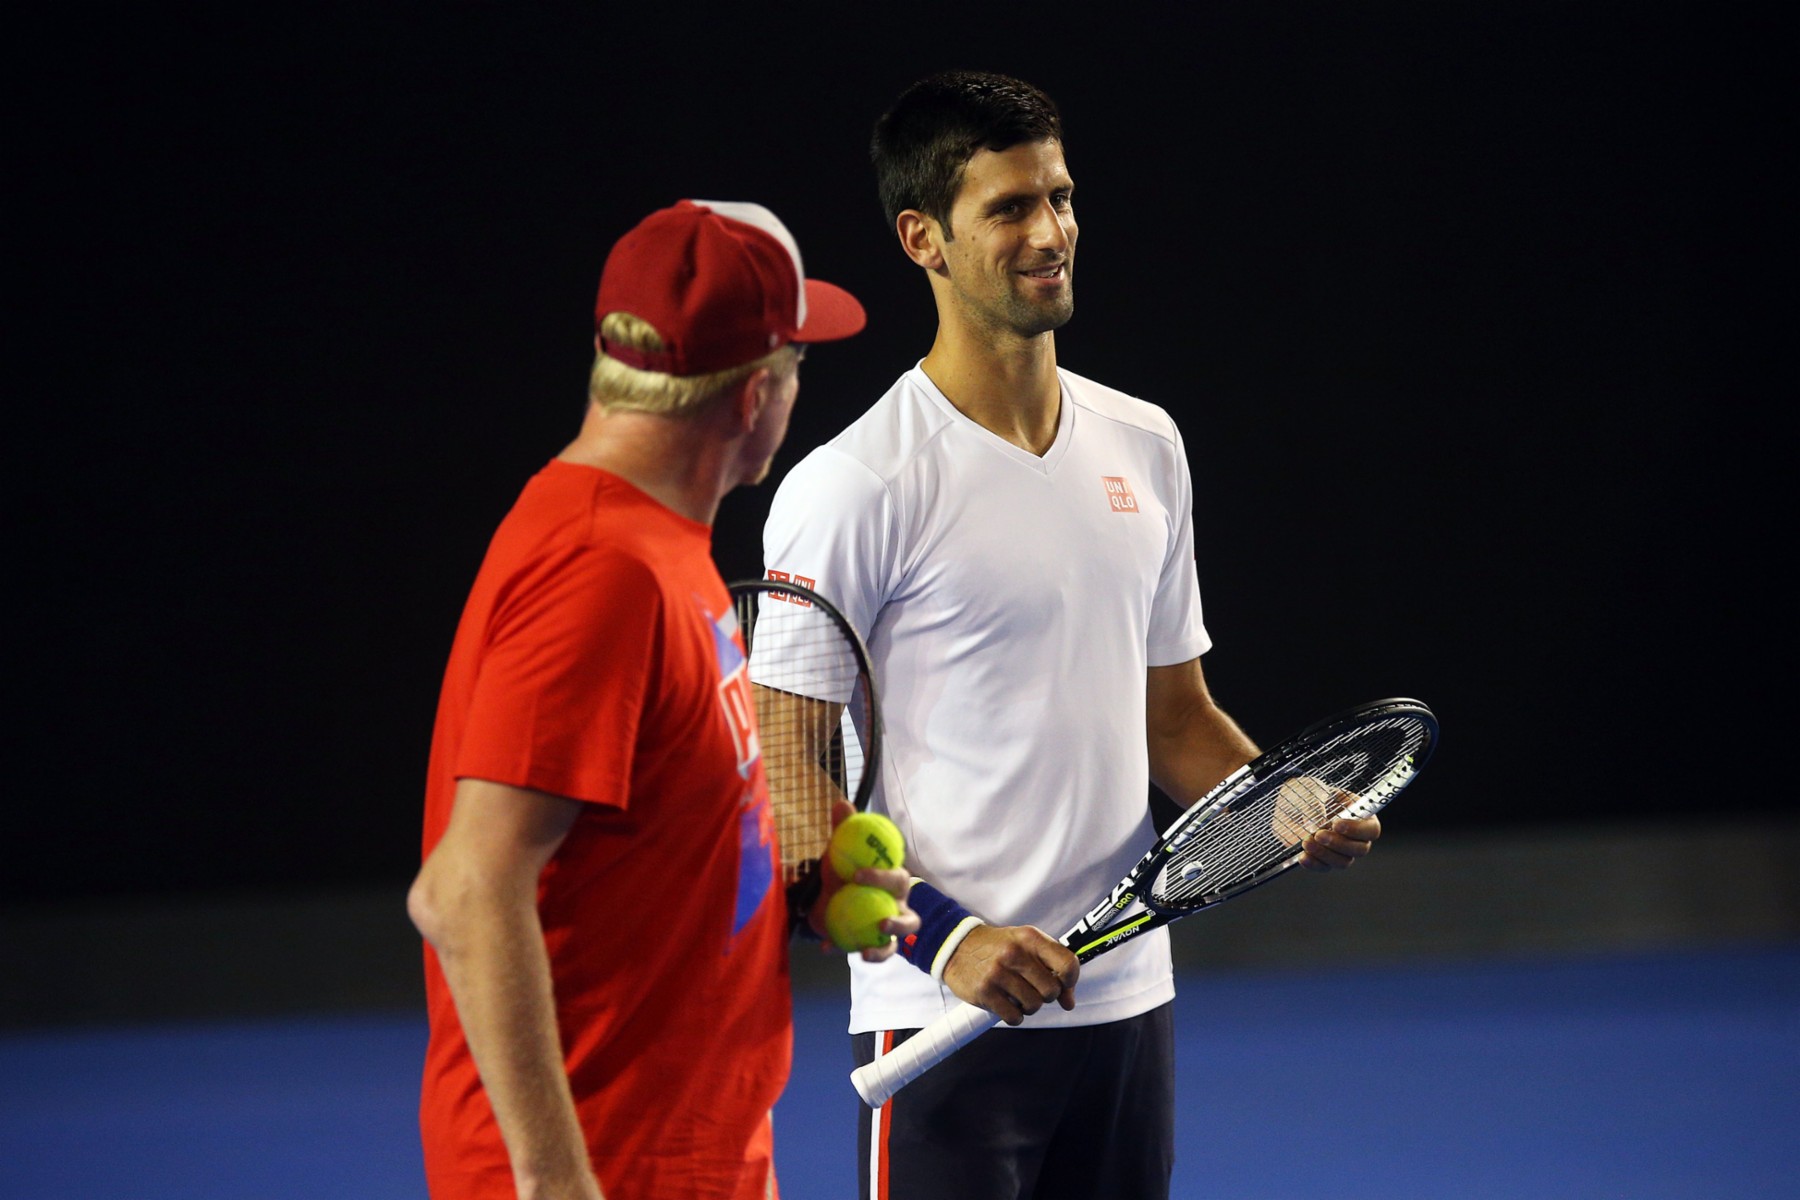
(1265, 825)
(809, 699)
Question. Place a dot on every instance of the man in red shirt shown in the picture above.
(606, 958)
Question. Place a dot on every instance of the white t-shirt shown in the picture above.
(1011, 605)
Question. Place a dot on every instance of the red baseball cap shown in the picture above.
(722, 283)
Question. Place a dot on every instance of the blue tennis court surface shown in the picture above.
(1641, 1077)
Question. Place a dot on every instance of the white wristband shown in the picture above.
(951, 943)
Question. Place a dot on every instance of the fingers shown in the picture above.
(1013, 971)
(897, 882)
(1033, 983)
(902, 924)
(1340, 844)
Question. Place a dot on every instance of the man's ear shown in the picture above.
(922, 238)
(750, 398)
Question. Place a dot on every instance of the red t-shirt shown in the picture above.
(597, 659)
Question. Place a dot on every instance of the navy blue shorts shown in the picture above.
(1029, 1114)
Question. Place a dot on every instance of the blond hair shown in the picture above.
(614, 386)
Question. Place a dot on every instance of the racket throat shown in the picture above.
(1112, 921)
(1096, 943)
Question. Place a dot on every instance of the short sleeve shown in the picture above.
(1177, 630)
(563, 678)
(831, 528)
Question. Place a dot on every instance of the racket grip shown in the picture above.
(877, 1082)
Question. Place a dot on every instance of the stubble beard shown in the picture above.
(1024, 318)
(1029, 320)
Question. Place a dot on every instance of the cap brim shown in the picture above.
(831, 313)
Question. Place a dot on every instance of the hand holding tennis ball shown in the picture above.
(866, 839)
(853, 917)
(855, 912)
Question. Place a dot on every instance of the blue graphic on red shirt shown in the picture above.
(756, 862)
(725, 645)
(756, 842)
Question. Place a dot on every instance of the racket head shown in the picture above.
(818, 716)
(1254, 825)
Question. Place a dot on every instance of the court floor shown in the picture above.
(1670, 1075)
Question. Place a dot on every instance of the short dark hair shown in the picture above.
(923, 142)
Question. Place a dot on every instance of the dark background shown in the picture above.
(1458, 304)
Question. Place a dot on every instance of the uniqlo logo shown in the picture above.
(786, 577)
(1118, 494)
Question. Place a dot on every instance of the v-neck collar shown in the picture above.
(1045, 463)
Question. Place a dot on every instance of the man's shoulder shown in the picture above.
(891, 433)
(1121, 407)
(574, 520)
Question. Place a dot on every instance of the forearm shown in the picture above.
(1192, 742)
(475, 901)
(795, 732)
(491, 950)
(802, 798)
(1187, 765)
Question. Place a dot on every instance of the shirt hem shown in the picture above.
(871, 1019)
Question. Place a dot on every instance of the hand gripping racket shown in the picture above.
(817, 718)
(1243, 833)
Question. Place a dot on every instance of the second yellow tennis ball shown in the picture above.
(866, 839)
(854, 917)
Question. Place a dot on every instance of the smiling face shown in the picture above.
(1009, 266)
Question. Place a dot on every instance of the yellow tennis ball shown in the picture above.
(866, 839)
(854, 917)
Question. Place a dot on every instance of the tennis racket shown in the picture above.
(1245, 832)
(817, 718)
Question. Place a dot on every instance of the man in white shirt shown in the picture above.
(1016, 544)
